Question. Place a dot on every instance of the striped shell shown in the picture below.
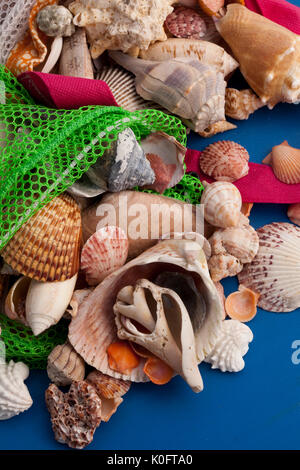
(14, 395)
(285, 161)
(65, 365)
(222, 204)
(274, 272)
(239, 104)
(106, 386)
(224, 161)
(46, 248)
(104, 252)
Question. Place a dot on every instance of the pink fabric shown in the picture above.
(63, 92)
(279, 11)
(260, 185)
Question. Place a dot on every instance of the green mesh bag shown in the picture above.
(22, 345)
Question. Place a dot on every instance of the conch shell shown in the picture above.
(222, 204)
(93, 329)
(285, 161)
(271, 65)
(185, 87)
(239, 104)
(14, 395)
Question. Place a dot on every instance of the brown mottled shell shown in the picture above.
(239, 104)
(46, 248)
(186, 23)
(224, 161)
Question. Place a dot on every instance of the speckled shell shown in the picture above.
(55, 20)
(231, 346)
(46, 248)
(222, 204)
(104, 252)
(14, 395)
(239, 104)
(285, 161)
(65, 365)
(167, 83)
(272, 63)
(293, 213)
(274, 272)
(224, 161)
(191, 23)
(204, 51)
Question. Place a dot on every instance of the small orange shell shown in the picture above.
(285, 161)
(122, 358)
(294, 213)
(225, 161)
(242, 304)
(158, 371)
(211, 7)
(104, 252)
(246, 208)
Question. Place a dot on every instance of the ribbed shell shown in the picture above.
(222, 204)
(231, 346)
(239, 104)
(224, 161)
(14, 395)
(106, 386)
(285, 161)
(274, 272)
(65, 365)
(46, 248)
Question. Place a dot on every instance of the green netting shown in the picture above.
(22, 345)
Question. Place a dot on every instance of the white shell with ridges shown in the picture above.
(14, 395)
(222, 204)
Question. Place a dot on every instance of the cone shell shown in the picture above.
(274, 272)
(224, 161)
(104, 252)
(222, 204)
(271, 65)
(14, 395)
(46, 248)
(239, 104)
(285, 161)
(294, 213)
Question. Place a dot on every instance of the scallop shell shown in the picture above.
(222, 204)
(14, 395)
(271, 65)
(274, 272)
(231, 346)
(204, 51)
(224, 161)
(65, 365)
(46, 248)
(294, 213)
(93, 329)
(75, 58)
(285, 161)
(239, 104)
(242, 304)
(192, 24)
(104, 252)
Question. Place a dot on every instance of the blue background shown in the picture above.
(257, 408)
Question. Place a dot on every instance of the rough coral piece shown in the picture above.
(75, 415)
(65, 365)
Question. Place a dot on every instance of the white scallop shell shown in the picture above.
(222, 204)
(14, 395)
(231, 346)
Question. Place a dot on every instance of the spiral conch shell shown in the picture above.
(274, 272)
(271, 65)
(239, 104)
(183, 86)
(14, 395)
(222, 204)
(285, 161)
(231, 346)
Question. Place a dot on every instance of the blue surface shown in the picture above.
(258, 408)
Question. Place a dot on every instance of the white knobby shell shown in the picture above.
(231, 346)
(14, 395)
(222, 204)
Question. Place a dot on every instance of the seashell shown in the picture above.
(242, 304)
(158, 371)
(65, 365)
(204, 51)
(211, 7)
(168, 313)
(246, 208)
(46, 248)
(239, 104)
(75, 58)
(84, 188)
(170, 152)
(189, 3)
(285, 161)
(15, 300)
(107, 24)
(55, 20)
(294, 213)
(4, 289)
(274, 272)
(197, 237)
(93, 329)
(271, 65)
(46, 302)
(196, 93)
(104, 252)
(160, 215)
(216, 128)
(232, 345)
(231, 248)
(220, 290)
(75, 415)
(14, 395)
(77, 298)
(224, 161)
(54, 55)
(222, 204)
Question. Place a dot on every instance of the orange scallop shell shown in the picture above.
(242, 304)
(285, 161)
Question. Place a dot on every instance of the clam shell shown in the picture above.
(285, 161)
(239, 104)
(274, 272)
(224, 161)
(14, 395)
(104, 252)
(46, 248)
(222, 204)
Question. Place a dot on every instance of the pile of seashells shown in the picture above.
(150, 307)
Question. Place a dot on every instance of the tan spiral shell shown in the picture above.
(222, 204)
